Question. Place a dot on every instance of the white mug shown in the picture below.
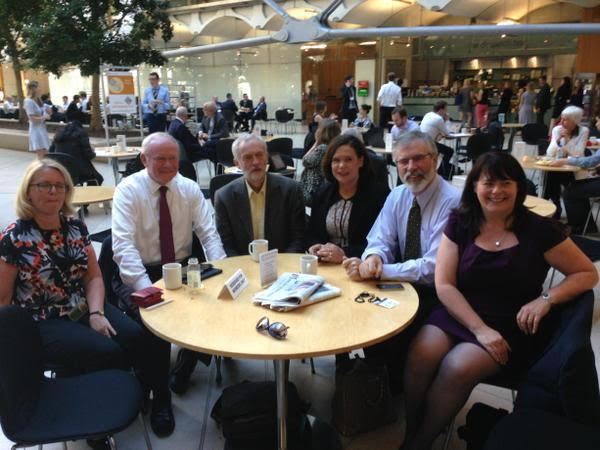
(256, 247)
(308, 264)
(121, 142)
(172, 275)
(464, 130)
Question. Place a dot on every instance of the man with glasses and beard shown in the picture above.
(403, 242)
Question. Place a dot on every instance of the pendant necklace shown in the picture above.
(499, 241)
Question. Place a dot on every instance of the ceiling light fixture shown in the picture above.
(313, 46)
(508, 21)
(365, 43)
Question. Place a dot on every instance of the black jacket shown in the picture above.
(78, 146)
(220, 130)
(179, 131)
(543, 99)
(366, 205)
(229, 104)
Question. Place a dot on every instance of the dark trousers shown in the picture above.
(540, 116)
(446, 165)
(393, 351)
(385, 115)
(80, 349)
(349, 114)
(554, 182)
(156, 122)
(577, 203)
(243, 120)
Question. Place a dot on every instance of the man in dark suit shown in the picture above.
(259, 205)
(349, 103)
(246, 111)
(213, 128)
(229, 110)
(193, 150)
(543, 99)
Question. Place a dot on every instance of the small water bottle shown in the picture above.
(194, 276)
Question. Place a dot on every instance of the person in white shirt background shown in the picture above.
(402, 124)
(435, 124)
(155, 213)
(569, 138)
(389, 97)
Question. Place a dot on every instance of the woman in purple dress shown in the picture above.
(491, 266)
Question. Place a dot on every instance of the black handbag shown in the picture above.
(362, 400)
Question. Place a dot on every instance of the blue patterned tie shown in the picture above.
(412, 244)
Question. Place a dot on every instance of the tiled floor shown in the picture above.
(195, 430)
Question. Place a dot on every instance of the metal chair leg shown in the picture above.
(312, 366)
(111, 443)
(145, 430)
(219, 377)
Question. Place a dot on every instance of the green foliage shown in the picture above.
(84, 33)
(14, 16)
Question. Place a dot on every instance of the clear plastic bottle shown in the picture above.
(194, 277)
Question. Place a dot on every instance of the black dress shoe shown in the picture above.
(99, 444)
(162, 420)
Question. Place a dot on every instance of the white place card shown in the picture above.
(234, 286)
(387, 303)
(268, 267)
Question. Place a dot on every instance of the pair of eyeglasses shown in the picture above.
(60, 187)
(278, 330)
(366, 297)
(415, 159)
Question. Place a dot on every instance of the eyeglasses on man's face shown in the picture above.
(416, 159)
(47, 187)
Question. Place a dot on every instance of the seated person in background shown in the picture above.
(246, 111)
(65, 104)
(568, 139)
(491, 266)
(403, 242)
(229, 105)
(155, 213)
(434, 123)
(494, 129)
(48, 266)
(346, 205)
(577, 194)
(73, 112)
(213, 128)
(260, 111)
(178, 129)
(259, 205)
(9, 107)
(312, 176)
(402, 124)
(363, 120)
(74, 141)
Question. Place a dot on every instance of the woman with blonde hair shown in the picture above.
(526, 104)
(48, 267)
(36, 113)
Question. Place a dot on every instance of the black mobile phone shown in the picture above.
(390, 286)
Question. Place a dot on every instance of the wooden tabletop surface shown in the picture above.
(227, 327)
(531, 165)
(540, 206)
(83, 195)
(107, 152)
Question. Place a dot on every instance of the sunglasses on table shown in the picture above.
(366, 297)
(278, 330)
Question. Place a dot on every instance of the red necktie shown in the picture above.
(167, 247)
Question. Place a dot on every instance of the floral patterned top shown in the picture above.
(50, 278)
(312, 177)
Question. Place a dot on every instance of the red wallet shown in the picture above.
(147, 297)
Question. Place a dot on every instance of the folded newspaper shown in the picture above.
(295, 290)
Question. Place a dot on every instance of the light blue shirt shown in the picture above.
(387, 236)
(162, 94)
(587, 162)
(408, 126)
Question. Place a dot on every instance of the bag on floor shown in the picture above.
(481, 418)
(362, 400)
(247, 414)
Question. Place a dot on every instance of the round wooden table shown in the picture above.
(204, 323)
(540, 206)
(84, 195)
(115, 156)
(529, 164)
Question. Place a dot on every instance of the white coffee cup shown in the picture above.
(256, 247)
(309, 264)
(464, 130)
(172, 275)
(121, 142)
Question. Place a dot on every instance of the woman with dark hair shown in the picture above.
(491, 265)
(363, 120)
(577, 94)
(74, 141)
(563, 94)
(347, 204)
(312, 176)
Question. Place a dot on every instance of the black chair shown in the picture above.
(379, 165)
(534, 131)
(283, 146)
(542, 145)
(283, 117)
(69, 163)
(224, 154)
(219, 181)
(374, 137)
(478, 144)
(35, 410)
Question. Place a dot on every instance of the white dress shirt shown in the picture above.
(435, 126)
(388, 234)
(390, 95)
(399, 131)
(135, 224)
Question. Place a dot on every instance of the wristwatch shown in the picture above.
(100, 312)
(546, 297)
